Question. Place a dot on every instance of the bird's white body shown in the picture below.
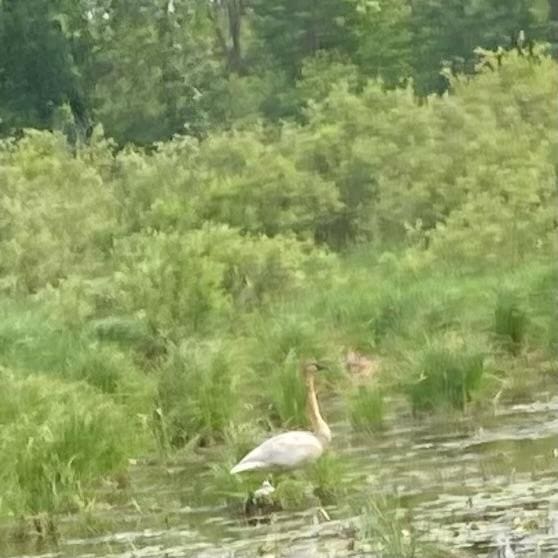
(288, 450)
(294, 449)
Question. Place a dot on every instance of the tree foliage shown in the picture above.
(474, 171)
(147, 70)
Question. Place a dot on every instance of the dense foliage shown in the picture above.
(160, 295)
(151, 68)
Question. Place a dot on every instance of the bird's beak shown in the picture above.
(321, 366)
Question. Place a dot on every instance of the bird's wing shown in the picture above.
(288, 449)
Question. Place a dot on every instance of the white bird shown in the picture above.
(293, 449)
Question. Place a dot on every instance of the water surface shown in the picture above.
(467, 483)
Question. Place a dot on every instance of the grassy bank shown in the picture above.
(152, 301)
(77, 403)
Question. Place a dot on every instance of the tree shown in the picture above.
(553, 25)
(383, 39)
(291, 30)
(154, 69)
(227, 17)
(446, 32)
(38, 69)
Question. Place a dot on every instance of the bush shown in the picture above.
(32, 341)
(57, 215)
(444, 374)
(171, 281)
(503, 208)
(155, 190)
(399, 165)
(284, 388)
(187, 283)
(200, 391)
(256, 188)
(55, 439)
(366, 408)
(283, 338)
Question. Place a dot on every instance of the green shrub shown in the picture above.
(57, 215)
(170, 280)
(286, 392)
(200, 390)
(366, 408)
(283, 339)
(382, 528)
(261, 269)
(327, 475)
(77, 299)
(187, 283)
(295, 494)
(55, 439)
(155, 190)
(401, 167)
(444, 374)
(254, 187)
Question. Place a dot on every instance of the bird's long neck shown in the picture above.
(319, 425)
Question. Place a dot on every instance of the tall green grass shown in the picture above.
(110, 388)
(443, 375)
(55, 439)
(71, 410)
(200, 390)
(281, 340)
(33, 342)
(326, 476)
(286, 392)
(382, 529)
(541, 299)
(366, 408)
(385, 530)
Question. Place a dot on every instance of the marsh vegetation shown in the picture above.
(156, 299)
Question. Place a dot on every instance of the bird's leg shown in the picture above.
(324, 514)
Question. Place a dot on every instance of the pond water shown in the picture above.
(467, 483)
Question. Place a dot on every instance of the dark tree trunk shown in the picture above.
(234, 13)
(228, 34)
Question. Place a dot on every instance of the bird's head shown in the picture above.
(311, 366)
